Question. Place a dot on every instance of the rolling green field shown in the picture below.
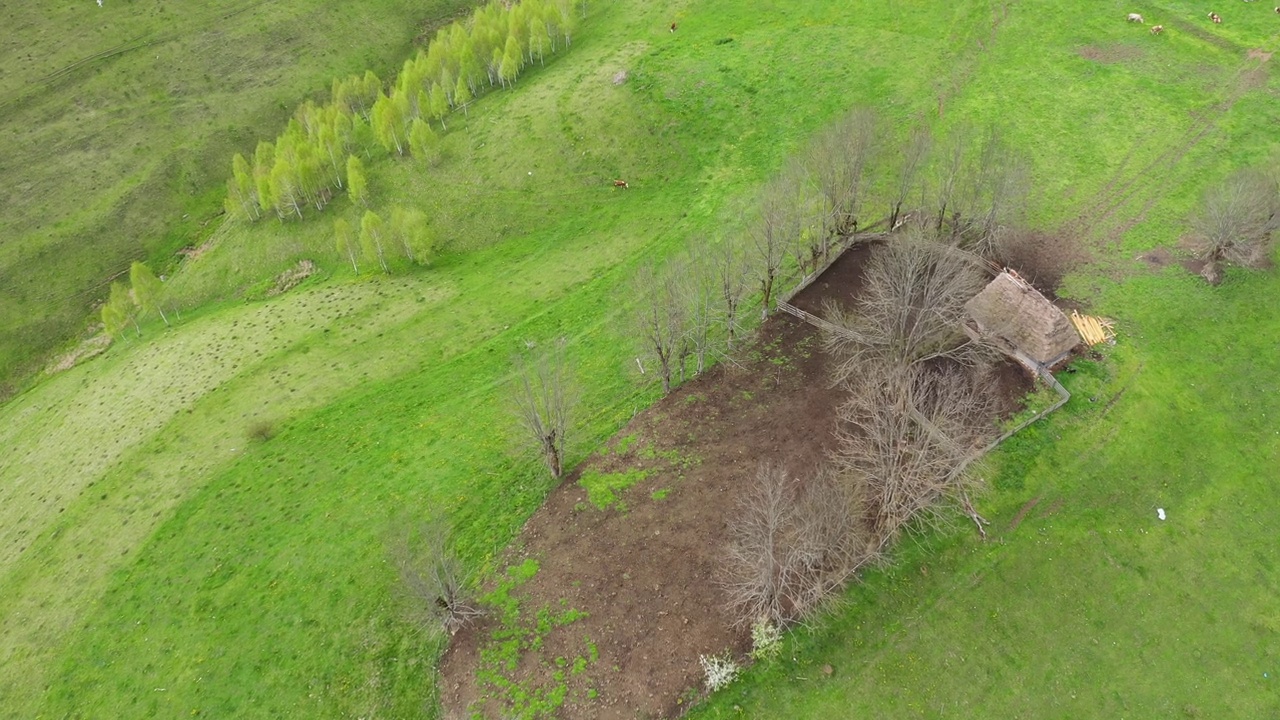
(196, 522)
(117, 126)
(1086, 604)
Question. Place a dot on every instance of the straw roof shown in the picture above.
(1013, 311)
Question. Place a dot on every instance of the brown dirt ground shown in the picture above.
(1110, 54)
(841, 283)
(644, 571)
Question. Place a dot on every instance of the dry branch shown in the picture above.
(911, 309)
(792, 544)
(432, 578)
(904, 437)
(1236, 223)
(543, 398)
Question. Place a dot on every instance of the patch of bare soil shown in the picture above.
(90, 347)
(645, 575)
(1259, 55)
(645, 570)
(840, 284)
(1158, 258)
(1110, 54)
(1022, 513)
(289, 279)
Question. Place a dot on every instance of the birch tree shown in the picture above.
(357, 186)
(373, 239)
(147, 290)
(345, 242)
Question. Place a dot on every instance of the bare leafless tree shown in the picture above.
(807, 239)
(998, 187)
(729, 267)
(699, 288)
(911, 309)
(950, 177)
(914, 155)
(438, 589)
(839, 159)
(776, 225)
(543, 397)
(792, 544)
(1236, 223)
(905, 437)
(659, 319)
(982, 190)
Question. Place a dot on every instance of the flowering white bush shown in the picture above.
(766, 639)
(720, 669)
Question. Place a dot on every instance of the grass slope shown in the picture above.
(1085, 604)
(156, 561)
(117, 126)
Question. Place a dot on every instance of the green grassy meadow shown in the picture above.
(1090, 606)
(117, 126)
(159, 557)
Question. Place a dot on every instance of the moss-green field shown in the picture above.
(161, 556)
(117, 125)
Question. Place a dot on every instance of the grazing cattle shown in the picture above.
(1135, 17)
(621, 184)
(1278, 11)
(673, 27)
(1157, 29)
(1216, 18)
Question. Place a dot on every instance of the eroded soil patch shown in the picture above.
(639, 577)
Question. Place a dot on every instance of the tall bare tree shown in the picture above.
(775, 227)
(729, 266)
(544, 396)
(792, 543)
(659, 319)
(914, 156)
(905, 436)
(433, 580)
(1236, 223)
(982, 190)
(911, 309)
(839, 159)
(699, 288)
(950, 177)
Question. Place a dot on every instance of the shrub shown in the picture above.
(720, 670)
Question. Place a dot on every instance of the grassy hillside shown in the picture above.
(1083, 603)
(117, 124)
(159, 556)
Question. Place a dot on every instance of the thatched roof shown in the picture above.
(1013, 311)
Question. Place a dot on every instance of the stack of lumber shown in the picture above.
(1093, 330)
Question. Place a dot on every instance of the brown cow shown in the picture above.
(1157, 29)
(621, 184)
(673, 27)
(1216, 18)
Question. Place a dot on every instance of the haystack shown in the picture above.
(1011, 311)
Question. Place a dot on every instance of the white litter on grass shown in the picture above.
(1160, 513)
